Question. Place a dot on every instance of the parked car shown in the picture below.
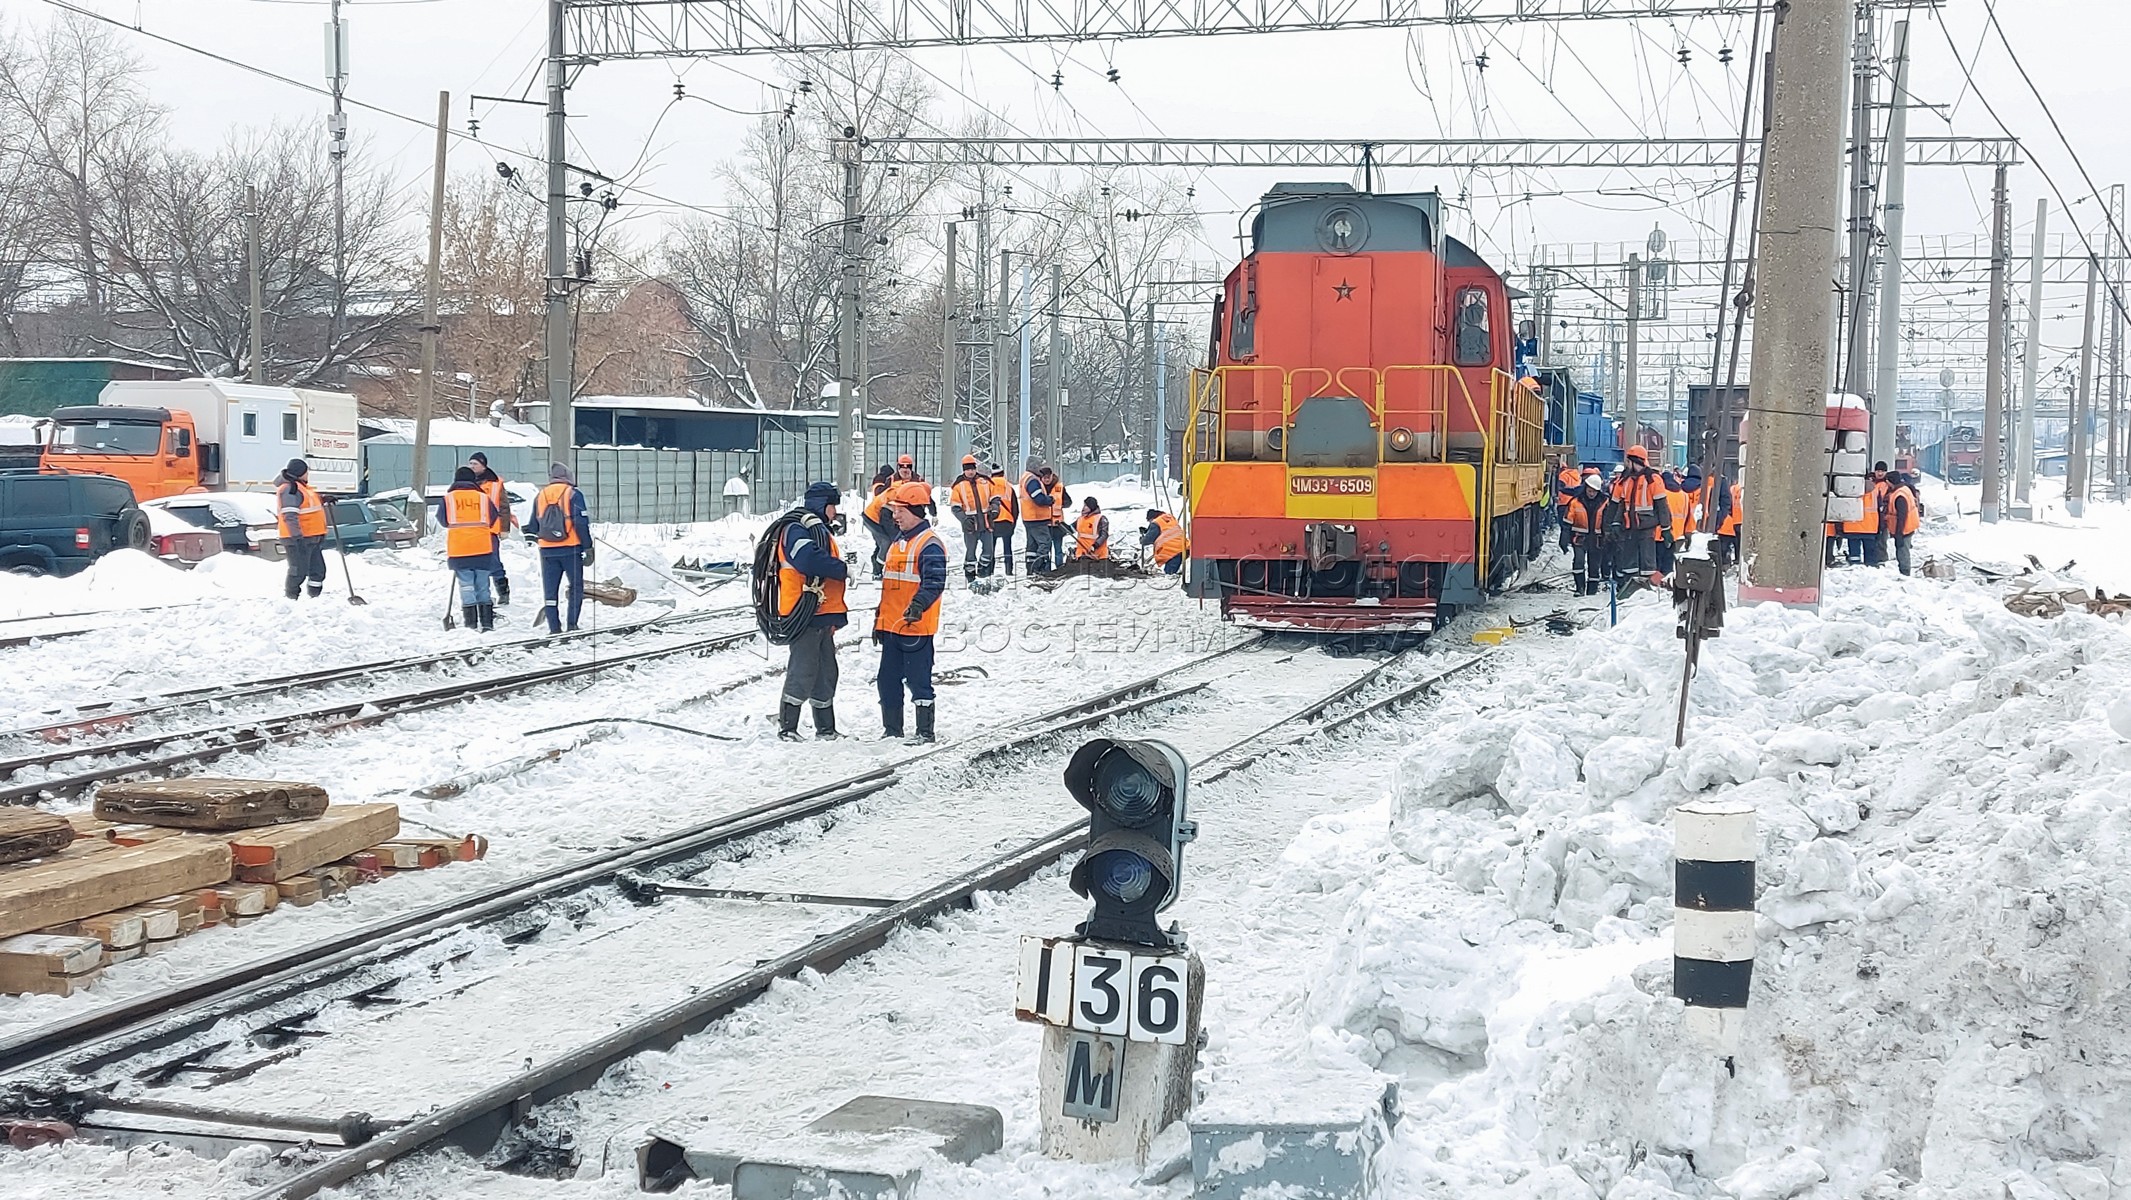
(521, 495)
(364, 523)
(177, 541)
(245, 520)
(59, 524)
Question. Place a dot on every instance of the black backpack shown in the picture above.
(554, 522)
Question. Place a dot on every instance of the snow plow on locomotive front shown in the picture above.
(1359, 460)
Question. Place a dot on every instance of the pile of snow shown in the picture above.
(1944, 793)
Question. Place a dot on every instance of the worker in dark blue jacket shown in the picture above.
(808, 556)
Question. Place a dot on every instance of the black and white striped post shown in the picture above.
(1714, 845)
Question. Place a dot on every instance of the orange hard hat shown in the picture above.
(905, 461)
(1529, 383)
(1639, 454)
(969, 460)
(910, 495)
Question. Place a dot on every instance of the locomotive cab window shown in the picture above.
(1476, 346)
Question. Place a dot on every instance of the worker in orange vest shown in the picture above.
(875, 515)
(1586, 519)
(1861, 536)
(1734, 513)
(807, 556)
(492, 485)
(1904, 513)
(1565, 485)
(1639, 512)
(1166, 536)
(968, 499)
(301, 514)
(1091, 533)
(470, 547)
(562, 529)
(1004, 501)
(909, 612)
(1876, 498)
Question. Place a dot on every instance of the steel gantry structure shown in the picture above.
(626, 29)
(1384, 153)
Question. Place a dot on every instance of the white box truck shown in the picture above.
(168, 437)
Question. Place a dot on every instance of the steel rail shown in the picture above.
(103, 1036)
(248, 735)
(99, 713)
(481, 1120)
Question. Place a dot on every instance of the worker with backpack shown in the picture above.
(562, 528)
(799, 603)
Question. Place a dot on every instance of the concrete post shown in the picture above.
(1148, 1083)
(950, 452)
(2078, 443)
(1994, 366)
(2031, 363)
(1801, 169)
(1053, 416)
(555, 318)
(1630, 422)
(1886, 391)
(425, 395)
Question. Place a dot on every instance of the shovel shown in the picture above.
(334, 523)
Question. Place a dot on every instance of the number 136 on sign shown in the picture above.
(1103, 990)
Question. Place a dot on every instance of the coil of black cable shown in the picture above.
(780, 628)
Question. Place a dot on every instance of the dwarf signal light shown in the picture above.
(1135, 794)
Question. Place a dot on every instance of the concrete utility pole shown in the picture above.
(555, 340)
(426, 397)
(2078, 445)
(2115, 357)
(1543, 284)
(1155, 435)
(850, 434)
(251, 252)
(1864, 73)
(1005, 314)
(1994, 369)
(2031, 363)
(950, 436)
(1054, 412)
(1801, 171)
(337, 149)
(979, 339)
(1886, 391)
(1028, 329)
(1631, 425)
(1161, 411)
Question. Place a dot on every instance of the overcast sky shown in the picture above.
(1567, 79)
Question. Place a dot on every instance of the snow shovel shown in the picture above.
(334, 523)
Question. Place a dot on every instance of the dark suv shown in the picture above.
(59, 524)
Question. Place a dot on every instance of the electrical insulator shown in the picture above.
(679, 90)
(1113, 74)
(1724, 55)
(1481, 60)
(585, 190)
(1684, 56)
(1057, 80)
(473, 128)
(504, 169)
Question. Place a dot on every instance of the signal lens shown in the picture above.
(1121, 875)
(1125, 790)
(1402, 440)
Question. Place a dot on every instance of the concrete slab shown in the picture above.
(1321, 1149)
(874, 1147)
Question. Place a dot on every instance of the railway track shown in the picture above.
(69, 768)
(244, 1029)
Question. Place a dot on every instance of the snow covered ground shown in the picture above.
(1474, 898)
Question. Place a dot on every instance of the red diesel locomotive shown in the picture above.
(1360, 460)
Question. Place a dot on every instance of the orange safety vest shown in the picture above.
(310, 513)
(1036, 512)
(469, 521)
(790, 583)
(1869, 523)
(1584, 515)
(999, 488)
(899, 586)
(1908, 523)
(492, 487)
(1729, 526)
(1637, 494)
(551, 496)
(876, 504)
(1682, 523)
(1169, 540)
(1088, 541)
(969, 494)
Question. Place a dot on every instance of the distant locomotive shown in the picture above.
(1360, 458)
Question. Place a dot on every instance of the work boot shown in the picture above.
(503, 592)
(891, 721)
(787, 721)
(825, 722)
(293, 591)
(470, 615)
(488, 617)
(969, 574)
(923, 736)
(315, 590)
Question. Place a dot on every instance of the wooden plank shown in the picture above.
(247, 899)
(182, 905)
(157, 924)
(27, 833)
(116, 930)
(69, 885)
(408, 856)
(300, 890)
(210, 803)
(266, 855)
(47, 954)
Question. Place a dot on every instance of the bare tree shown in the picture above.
(174, 234)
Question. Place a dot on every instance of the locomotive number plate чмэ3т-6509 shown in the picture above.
(1331, 485)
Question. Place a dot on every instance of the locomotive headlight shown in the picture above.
(1402, 439)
